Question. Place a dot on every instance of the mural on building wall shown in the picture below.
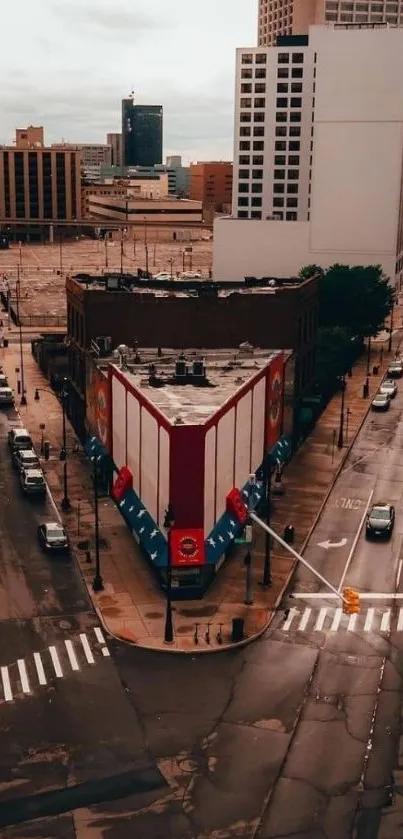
(187, 547)
(275, 401)
(97, 410)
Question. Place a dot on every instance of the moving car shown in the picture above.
(19, 438)
(6, 396)
(389, 388)
(53, 537)
(33, 481)
(380, 520)
(380, 402)
(25, 459)
(395, 370)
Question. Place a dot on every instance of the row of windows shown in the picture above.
(257, 214)
(260, 58)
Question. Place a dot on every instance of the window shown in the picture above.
(244, 131)
(244, 145)
(243, 202)
(279, 216)
(259, 117)
(296, 87)
(257, 188)
(278, 202)
(295, 130)
(260, 73)
(296, 102)
(291, 216)
(261, 58)
(293, 160)
(258, 131)
(282, 87)
(282, 102)
(280, 145)
(243, 174)
(281, 131)
(283, 73)
(256, 214)
(242, 214)
(279, 160)
(297, 72)
(259, 102)
(294, 145)
(246, 73)
(244, 159)
(246, 103)
(257, 174)
(257, 160)
(281, 116)
(258, 145)
(243, 187)
(293, 174)
(260, 87)
(256, 201)
(247, 58)
(283, 58)
(292, 189)
(298, 58)
(246, 88)
(279, 174)
(245, 117)
(278, 188)
(295, 116)
(292, 202)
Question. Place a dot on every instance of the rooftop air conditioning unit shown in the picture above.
(198, 369)
(180, 369)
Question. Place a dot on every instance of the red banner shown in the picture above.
(275, 401)
(187, 547)
(235, 505)
(123, 483)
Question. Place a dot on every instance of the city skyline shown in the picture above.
(117, 48)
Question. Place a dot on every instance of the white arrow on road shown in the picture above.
(326, 545)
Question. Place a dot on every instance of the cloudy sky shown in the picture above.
(72, 61)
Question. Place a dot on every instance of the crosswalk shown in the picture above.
(58, 661)
(330, 619)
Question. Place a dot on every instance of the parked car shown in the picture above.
(3, 380)
(380, 402)
(163, 275)
(395, 370)
(25, 459)
(19, 438)
(191, 275)
(52, 537)
(380, 520)
(6, 396)
(33, 481)
(388, 387)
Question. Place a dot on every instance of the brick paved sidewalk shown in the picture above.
(131, 606)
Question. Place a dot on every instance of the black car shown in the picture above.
(380, 520)
(53, 537)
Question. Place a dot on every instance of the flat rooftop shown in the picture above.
(192, 399)
(179, 287)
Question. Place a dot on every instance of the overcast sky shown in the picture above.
(66, 64)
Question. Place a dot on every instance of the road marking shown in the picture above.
(328, 544)
(23, 675)
(87, 649)
(368, 620)
(304, 620)
(364, 595)
(289, 619)
(356, 538)
(352, 622)
(39, 669)
(6, 684)
(349, 503)
(385, 622)
(105, 652)
(336, 620)
(399, 572)
(321, 619)
(101, 639)
(72, 656)
(56, 662)
(400, 621)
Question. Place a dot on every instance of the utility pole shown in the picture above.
(267, 581)
(98, 583)
(340, 441)
(169, 522)
(248, 556)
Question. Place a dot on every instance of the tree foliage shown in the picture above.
(334, 355)
(356, 299)
(310, 271)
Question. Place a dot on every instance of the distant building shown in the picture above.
(115, 143)
(38, 184)
(178, 176)
(145, 208)
(128, 188)
(211, 183)
(142, 127)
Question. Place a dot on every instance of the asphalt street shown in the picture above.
(69, 735)
(297, 736)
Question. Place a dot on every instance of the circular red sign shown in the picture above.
(188, 546)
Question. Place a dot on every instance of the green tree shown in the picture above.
(309, 271)
(334, 354)
(356, 299)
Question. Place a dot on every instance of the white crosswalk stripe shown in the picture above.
(47, 668)
(330, 619)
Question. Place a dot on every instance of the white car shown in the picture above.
(163, 275)
(191, 275)
(388, 387)
(6, 396)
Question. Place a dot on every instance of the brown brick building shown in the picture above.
(211, 183)
(280, 317)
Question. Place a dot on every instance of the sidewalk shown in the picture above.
(131, 606)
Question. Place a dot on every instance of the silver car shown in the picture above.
(32, 481)
(395, 370)
(380, 402)
(6, 396)
(388, 388)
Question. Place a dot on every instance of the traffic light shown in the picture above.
(351, 601)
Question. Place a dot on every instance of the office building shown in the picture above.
(211, 183)
(294, 17)
(318, 155)
(145, 207)
(141, 134)
(92, 154)
(115, 143)
(39, 184)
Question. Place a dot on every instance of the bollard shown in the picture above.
(365, 390)
(237, 630)
(375, 370)
(289, 534)
(46, 449)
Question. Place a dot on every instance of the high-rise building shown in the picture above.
(115, 143)
(294, 17)
(141, 133)
(318, 142)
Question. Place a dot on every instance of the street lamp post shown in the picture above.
(61, 251)
(169, 522)
(23, 396)
(391, 327)
(267, 581)
(340, 441)
(98, 583)
(369, 357)
(146, 243)
(121, 251)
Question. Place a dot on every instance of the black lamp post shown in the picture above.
(22, 378)
(267, 581)
(98, 583)
(391, 327)
(340, 441)
(65, 503)
(369, 357)
(169, 522)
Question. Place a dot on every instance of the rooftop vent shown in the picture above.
(180, 369)
(199, 369)
(246, 347)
